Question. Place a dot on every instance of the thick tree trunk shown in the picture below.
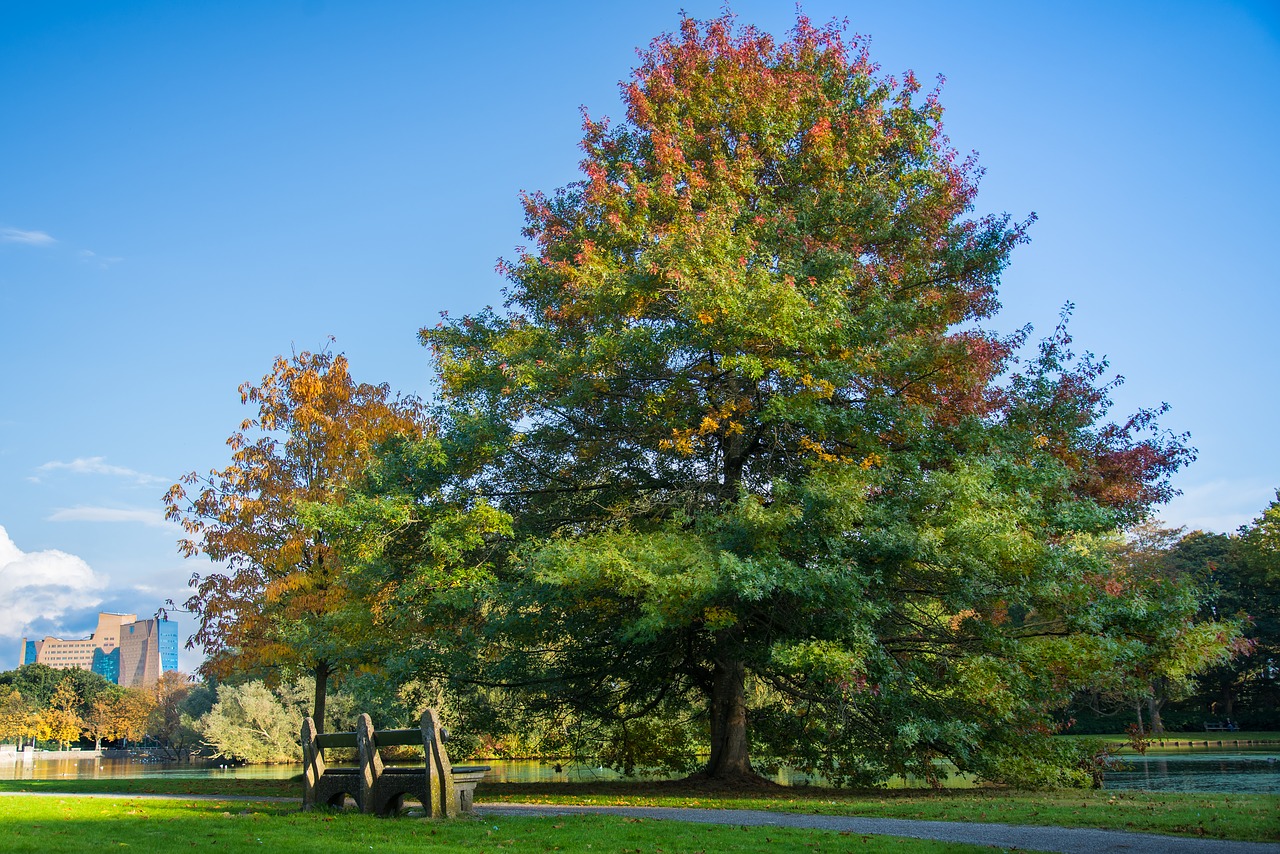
(1155, 704)
(322, 686)
(729, 754)
(1228, 700)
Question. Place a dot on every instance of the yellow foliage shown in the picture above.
(817, 450)
(717, 617)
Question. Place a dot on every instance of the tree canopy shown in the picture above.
(758, 455)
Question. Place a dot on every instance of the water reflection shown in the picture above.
(1221, 771)
(91, 768)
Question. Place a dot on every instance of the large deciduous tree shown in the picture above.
(273, 597)
(754, 444)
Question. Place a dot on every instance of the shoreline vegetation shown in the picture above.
(1170, 740)
(1243, 817)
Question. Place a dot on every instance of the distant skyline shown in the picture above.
(189, 190)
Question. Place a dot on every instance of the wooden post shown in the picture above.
(444, 802)
(370, 761)
(312, 764)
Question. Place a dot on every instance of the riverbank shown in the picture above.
(1243, 738)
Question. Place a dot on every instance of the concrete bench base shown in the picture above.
(443, 790)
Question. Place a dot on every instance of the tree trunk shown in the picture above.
(729, 754)
(1155, 703)
(322, 686)
(1153, 715)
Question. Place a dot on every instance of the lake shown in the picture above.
(1205, 770)
(1245, 770)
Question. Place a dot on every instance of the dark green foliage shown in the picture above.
(37, 682)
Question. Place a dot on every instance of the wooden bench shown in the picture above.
(443, 789)
(1219, 726)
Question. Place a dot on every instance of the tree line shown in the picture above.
(1233, 575)
(739, 466)
(39, 703)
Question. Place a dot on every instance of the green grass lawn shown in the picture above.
(1266, 737)
(1226, 816)
(54, 825)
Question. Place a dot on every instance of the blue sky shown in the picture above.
(189, 189)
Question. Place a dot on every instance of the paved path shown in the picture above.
(1070, 840)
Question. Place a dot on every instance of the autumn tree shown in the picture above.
(60, 721)
(17, 718)
(276, 584)
(1168, 645)
(99, 723)
(118, 714)
(754, 445)
(177, 703)
(1243, 573)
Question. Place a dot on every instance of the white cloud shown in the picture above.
(98, 465)
(42, 585)
(103, 261)
(1220, 505)
(154, 518)
(27, 238)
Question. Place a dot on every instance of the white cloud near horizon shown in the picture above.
(26, 238)
(1220, 506)
(154, 518)
(98, 465)
(42, 585)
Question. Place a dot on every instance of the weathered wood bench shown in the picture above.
(1219, 726)
(443, 789)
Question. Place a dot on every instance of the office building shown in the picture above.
(125, 650)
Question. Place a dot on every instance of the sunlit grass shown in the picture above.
(54, 825)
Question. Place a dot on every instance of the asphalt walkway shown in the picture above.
(1069, 840)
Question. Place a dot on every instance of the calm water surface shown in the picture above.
(1254, 771)
(1243, 770)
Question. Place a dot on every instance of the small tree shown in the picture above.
(100, 722)
(60, 721)
(1169, 645)
(177, 704)
(250, 723)
(273, 599)
(17, 719)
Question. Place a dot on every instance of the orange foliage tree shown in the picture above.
(275, 597)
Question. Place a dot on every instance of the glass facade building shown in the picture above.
(124, 650)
